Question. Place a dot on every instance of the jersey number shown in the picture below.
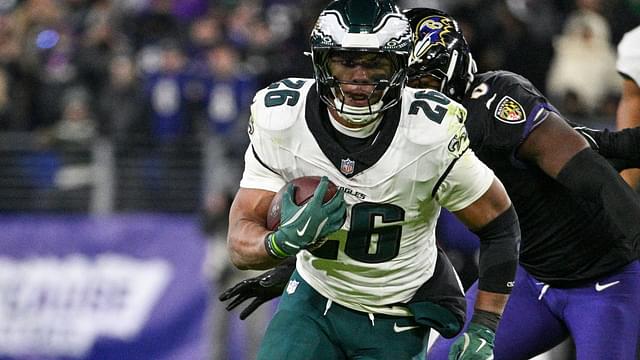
(373, 237)
(435, 112)
(289, 96)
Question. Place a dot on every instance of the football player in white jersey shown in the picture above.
(628, 115)
(370, 281)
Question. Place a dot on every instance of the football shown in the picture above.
(303, 189)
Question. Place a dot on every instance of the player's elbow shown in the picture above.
(235, 250)
(238, 263)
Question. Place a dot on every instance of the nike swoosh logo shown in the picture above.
(304, 229)
(296, 215)
(600, 287)
(399, 329)
(483, 342)
(320, 227)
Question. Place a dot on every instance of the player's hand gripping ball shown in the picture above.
(302, 213)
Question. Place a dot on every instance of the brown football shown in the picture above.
(303, 190)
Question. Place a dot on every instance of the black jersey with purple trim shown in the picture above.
(565, 239)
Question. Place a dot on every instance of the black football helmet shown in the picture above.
(440, 51)
(361, 25)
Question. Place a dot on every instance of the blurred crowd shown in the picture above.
(155, 67)
(164, 73)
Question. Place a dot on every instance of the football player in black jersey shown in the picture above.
(579, 272)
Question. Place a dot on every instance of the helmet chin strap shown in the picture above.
(358, 115)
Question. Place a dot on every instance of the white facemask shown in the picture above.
(358, 115)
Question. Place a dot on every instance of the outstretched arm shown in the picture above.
(565, 156)
(494, 220)
(262, 288)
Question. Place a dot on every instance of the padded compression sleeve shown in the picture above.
(499, 247)
(589, 175)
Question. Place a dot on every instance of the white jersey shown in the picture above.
(394, 189)
(629, 55)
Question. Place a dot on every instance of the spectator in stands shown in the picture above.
(204, 33)
(72, 138)
(229, 89)
(97, 44)
(164, 95)
(120, 100)
(582, 75)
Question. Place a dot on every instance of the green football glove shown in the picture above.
(306, 225)
(475, 344)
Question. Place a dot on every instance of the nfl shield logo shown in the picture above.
(292, 286)
(347, 165)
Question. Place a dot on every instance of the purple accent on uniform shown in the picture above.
(434, 34)
(604, 324)
(528, 127)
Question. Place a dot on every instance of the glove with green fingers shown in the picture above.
(475, 344)
(306, 225)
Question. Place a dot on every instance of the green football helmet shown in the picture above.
(375, 26)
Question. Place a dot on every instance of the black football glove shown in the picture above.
(264, 287)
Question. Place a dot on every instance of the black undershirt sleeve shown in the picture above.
(590, 176)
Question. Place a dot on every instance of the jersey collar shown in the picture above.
(349, 163)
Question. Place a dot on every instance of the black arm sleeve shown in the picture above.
(589, 175)
(499, 247)
(621, 148)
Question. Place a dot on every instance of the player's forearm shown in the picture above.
(246, 247)
(493, 218)
(499, 245)
(588, 175)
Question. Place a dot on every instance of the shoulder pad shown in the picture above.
(430, 117)
(281, 104)
(507, 96)
(498, 82)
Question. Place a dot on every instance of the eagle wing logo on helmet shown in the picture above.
(329, 27)
(391, 34)
(430, 32)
